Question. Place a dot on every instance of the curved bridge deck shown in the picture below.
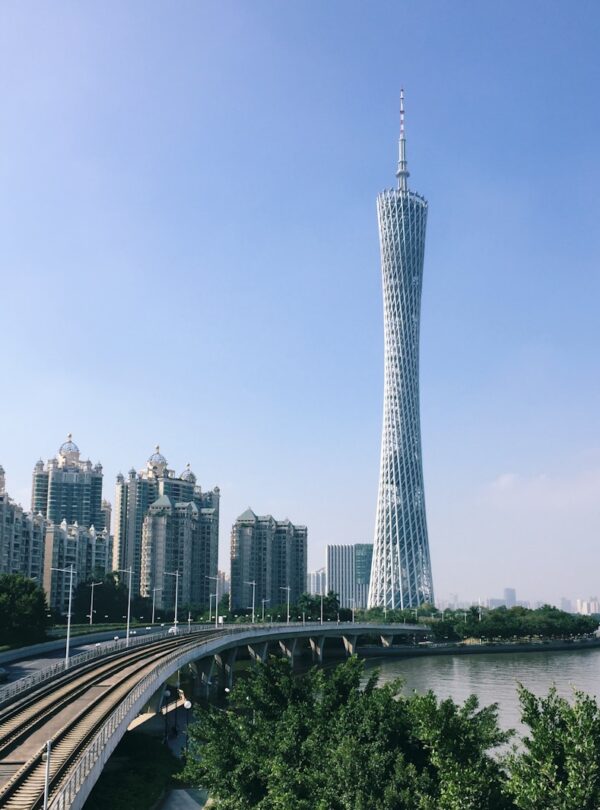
(85, 711)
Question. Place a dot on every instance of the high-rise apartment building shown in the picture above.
(316, 582)
(348, 572)
(134, 497)
(271, 554)
(510, 597)
(87, 550)
(68, 488)
(401, 571)
(21, 538)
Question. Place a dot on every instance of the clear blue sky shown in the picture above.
(189, 256)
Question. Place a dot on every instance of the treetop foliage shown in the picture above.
(23, 610)
(331, 741)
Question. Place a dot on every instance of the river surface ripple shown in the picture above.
(494, 677)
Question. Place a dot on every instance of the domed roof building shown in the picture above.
(188, 475)
(68, 488)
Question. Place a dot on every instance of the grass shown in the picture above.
(140, 769)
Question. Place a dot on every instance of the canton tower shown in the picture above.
(401, 568)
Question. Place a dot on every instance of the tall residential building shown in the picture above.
(87, 550)
(134, 497)
(316, 582)
(401, 571)
(68, 488)
(269, 553)
(510, 597)
(348, 573)
(21, 538)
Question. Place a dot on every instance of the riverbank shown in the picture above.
(485, 648)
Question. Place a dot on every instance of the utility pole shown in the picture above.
(288, 589)
(176, 575)
(92, 585)
(253, 583)
(130, 572)
(154, 590)
(69, 571)
(264, 601)
(216, 579)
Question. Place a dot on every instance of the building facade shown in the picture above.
(401, 571)
(21, 538)
(316, 582)
(348, 573)
(68, 488)
(161, 516)
(270, 553)
(87, 550)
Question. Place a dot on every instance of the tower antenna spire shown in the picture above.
(402, 173)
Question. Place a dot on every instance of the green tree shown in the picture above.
(23, 610)
(558, 767)
(329, 741)
(110, 600)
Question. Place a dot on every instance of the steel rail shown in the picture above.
(24, 791)
(29, 713)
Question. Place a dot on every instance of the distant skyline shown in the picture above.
(189, 258)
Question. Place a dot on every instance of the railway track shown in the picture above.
(108, 684)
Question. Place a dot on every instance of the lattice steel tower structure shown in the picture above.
(401, 568)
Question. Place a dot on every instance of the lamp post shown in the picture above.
(154, 590)
(187, 706)
(264, 602)
(92, 585)
(69, 571)
(130, 572)
(46, 758)
(211, 596)
(288, 589)
(322, 606)
(253, 583)
(216, 579)
(176, 575)
(189, 622)
(353, 608)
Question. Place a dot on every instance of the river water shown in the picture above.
(493, 677)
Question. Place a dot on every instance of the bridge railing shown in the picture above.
(18, 687)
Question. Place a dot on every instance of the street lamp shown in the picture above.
(176, 575)
(46, 759)
(253, 583)
(211, 596)
(69, 571)
(288, 589)
(154, 590)
(130, 572)
(353, 608)
(92, 585)
(216, 579)
(187, 706)
(264, 602)
(321, 606)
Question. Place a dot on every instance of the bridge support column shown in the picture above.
(350, 644)
(288, 648)
(317, 645)
(258, 652)
(205, 669)
(226, 662)
(387, 641)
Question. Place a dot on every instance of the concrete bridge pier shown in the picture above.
(350, 644)
(288, 648)
(317, 645)
(387, 641)
(259, 652)
(226, 662)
